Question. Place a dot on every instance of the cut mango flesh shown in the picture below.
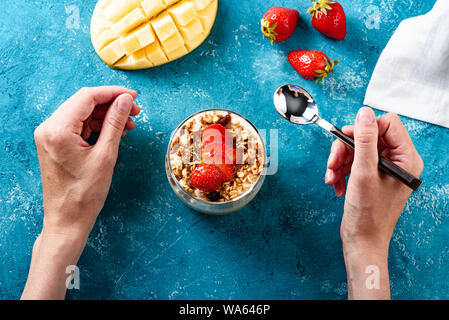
(139, 34)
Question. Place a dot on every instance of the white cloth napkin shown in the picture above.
(411, 77)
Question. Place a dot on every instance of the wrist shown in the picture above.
(71, 227)
(63, 246)
(363, 252)
(363, 238)
(53, 253)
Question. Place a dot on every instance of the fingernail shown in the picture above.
(327, 176)
(331, 158)
(125, 103)
(366, 116)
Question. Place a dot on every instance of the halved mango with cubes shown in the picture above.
(140, 34)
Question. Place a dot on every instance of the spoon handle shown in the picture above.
(385, 165)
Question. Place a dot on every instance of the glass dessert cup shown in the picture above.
(200, 203)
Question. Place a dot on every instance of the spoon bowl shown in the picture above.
(295, 104)
(298, 106)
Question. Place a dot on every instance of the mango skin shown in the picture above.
(141, 34)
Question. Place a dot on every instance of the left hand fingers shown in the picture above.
(100, 111)
(96, 125)
(81, 105)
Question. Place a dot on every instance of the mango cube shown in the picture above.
(207, 15)
(145, 35)
(173, 43)
(201, 4)
(192, 31)
(152, 7)
(118, 9)
(155, 54)
(194, 43)
(103, 39)
(183, 13)
(112, 52)
(138, 39)
(130, 44)
(164, 27)
(130, 21)
(137, 60)
(178, 53)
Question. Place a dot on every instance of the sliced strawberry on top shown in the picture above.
(233, 155)
(214, 153)
(208, 130)
(220, 154)
(215, 133)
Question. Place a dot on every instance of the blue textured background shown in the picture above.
(146, 244)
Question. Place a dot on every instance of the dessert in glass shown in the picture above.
(216, 161)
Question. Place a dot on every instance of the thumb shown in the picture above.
(115, 121)
(366, 136)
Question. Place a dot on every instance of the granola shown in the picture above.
(185, 154)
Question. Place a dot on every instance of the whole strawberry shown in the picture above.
(329, 18)
(207, 177)
(311, 64)
(278, 23)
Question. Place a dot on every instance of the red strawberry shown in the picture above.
(213, 153)
(233, 156)
(329, 18)
(218, 158)
(311, 64)
(215, 132)
(220, 154)
(207, 177)
(278, 23)
(217, 150)
(227, 170)
(212, 130)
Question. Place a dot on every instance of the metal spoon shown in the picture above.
(297, 106)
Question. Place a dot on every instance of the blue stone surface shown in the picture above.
(146, 243)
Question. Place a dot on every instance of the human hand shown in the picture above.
(374, 201)
(76, 176)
